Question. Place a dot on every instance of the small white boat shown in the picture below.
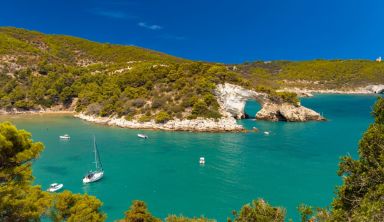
(98, 173)
(266, 132)
(65, 137)
(202, 160)
(55, 187)
(143, 136)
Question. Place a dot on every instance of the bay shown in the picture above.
(296, 163)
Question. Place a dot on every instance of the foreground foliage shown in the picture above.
(259, 211)
(20, 200)
(361, 196)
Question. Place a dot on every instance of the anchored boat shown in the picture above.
(202, 160)
(143, 136)
(65, 137)
(98, 173)
(55, 187)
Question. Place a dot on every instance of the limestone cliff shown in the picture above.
(232, 99)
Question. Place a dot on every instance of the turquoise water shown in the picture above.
(295, 164)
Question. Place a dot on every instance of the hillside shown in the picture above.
(40, 71)
(315, 74)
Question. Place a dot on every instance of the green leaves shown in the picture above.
(19, 200)
(76, 207)
(139, 212)
(360, 198)
(259, 211)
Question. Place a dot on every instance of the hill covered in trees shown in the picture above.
(314, 74)
(40, 71)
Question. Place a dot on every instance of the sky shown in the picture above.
(224, 31)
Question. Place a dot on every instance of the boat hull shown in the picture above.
(95, 177)
(54, 189)
(142, 136)
(65, 137)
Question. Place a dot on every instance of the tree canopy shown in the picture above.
(20, 200)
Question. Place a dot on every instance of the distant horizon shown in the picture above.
(221, 32)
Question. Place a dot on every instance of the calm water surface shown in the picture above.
(295, 164)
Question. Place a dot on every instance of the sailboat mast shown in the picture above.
(94, 150)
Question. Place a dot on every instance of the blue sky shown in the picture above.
(218, 31)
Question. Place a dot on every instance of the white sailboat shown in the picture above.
(98, 173)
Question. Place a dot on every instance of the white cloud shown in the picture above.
(151, 27)
(112, 14)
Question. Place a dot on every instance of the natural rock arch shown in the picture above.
(232, 100)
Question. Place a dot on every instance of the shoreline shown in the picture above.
(35, 112)
(224, 124)
(311, 92)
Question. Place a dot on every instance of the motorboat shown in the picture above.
(266, 132)
(202, 160)
(143, 136)
(65, 137)
(98, 173)
(55, 187)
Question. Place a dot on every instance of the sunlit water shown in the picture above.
(296, 163)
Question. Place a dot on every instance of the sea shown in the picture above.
(295, 163)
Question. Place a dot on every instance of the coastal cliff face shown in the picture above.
(232, 99)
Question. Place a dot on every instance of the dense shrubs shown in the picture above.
(162, 117)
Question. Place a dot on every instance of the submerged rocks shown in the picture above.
(287, 112)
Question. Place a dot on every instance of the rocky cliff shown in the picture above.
(232, 99)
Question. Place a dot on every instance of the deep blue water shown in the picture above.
(295, 164)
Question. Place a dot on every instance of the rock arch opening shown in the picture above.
(252, 106)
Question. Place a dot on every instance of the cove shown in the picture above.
(295, 164)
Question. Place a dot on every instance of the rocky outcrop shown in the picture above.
(287, 112)
(232, 99)
(375, 88)
(225, 124)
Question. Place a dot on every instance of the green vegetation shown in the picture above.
(174, 218)
(138, 212)
(20, 200)
(42, 71)
(259, 211)
(317, 74)
(360, 198)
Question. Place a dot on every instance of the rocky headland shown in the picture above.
(232, 99)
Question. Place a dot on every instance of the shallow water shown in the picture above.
(295, 164)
